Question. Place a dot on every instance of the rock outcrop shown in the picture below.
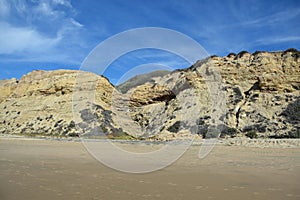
(41, 102)
(261, 92)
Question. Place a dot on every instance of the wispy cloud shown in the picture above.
(63, 2)
(32, 30)
(268, 20)
(19, 39)
(63, 32)
(276, 40)
(4, 8)
(273, 18)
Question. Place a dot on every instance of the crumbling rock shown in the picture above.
(262, 96)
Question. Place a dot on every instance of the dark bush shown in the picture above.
(252, 134)
(231, 54)
(175, 127)
(202, 130)
(117, 132)
(259, 127)
(293, 50)
(262, 129)
(294, 134)
(228, 131)
(88, 116)
(72, 124)
(212, 133)
(73, 134)
(239, 55)
(200, 121)
(292, 112)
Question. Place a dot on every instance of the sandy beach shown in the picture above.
(49, 169)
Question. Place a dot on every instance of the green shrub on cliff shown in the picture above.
(252, 134)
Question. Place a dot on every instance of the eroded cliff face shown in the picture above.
(261, 92)
(41, 102)
(260, 87)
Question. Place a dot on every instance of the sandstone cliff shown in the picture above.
(261, 92)
(41, 102)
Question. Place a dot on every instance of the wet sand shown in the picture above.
(45, 169)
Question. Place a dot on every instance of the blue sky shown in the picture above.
(59, 34)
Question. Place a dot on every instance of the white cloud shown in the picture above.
(76, 23)
(48, 8)
(17, 39)
(63, 2)
(45, 9)
(24, 36)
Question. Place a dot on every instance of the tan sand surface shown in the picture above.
(47, 169)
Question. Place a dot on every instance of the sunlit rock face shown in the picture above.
(261, 91)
